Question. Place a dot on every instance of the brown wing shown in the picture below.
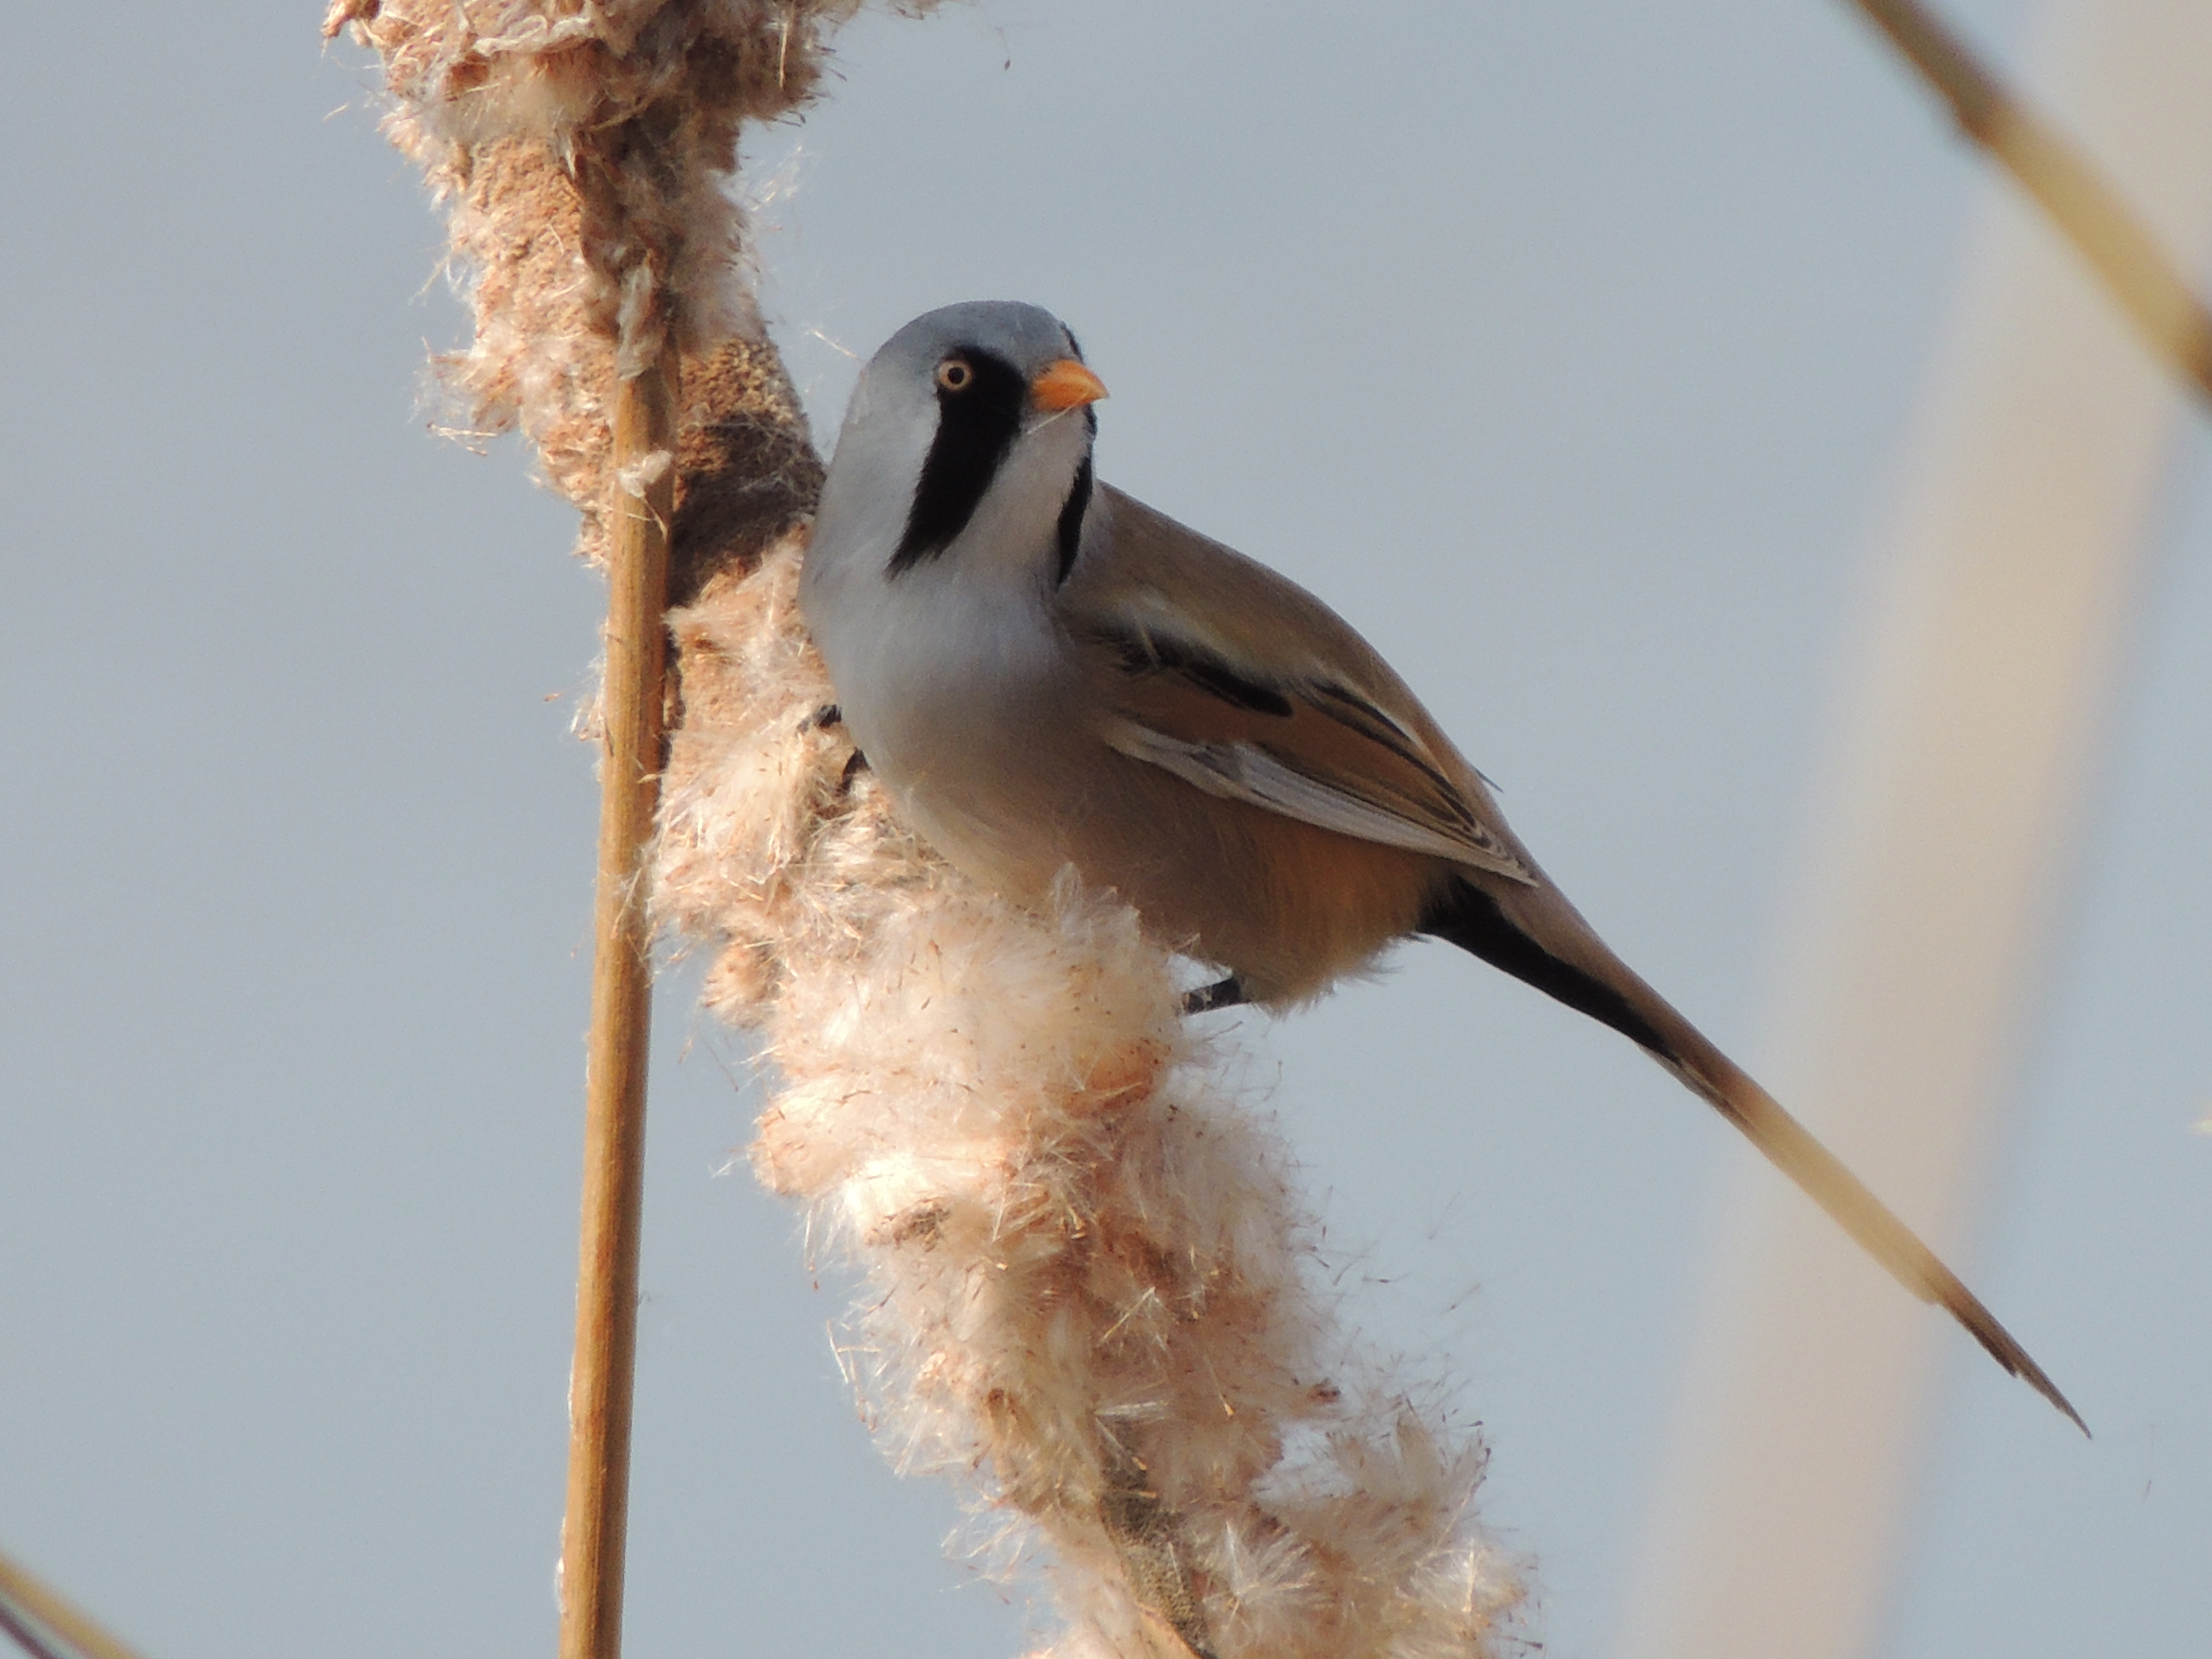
(1168, 623)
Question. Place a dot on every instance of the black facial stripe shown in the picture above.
(1071, 521)
(975, 428)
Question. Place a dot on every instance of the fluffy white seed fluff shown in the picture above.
(1090, 1286)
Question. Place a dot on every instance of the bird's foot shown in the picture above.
(1222, 993)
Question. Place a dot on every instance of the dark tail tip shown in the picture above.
(2009, 1354)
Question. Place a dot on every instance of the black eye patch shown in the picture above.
(976, 425)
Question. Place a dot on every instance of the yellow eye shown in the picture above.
(954, 374)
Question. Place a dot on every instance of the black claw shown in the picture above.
(853, 768)
(1222, 993)
(829, 714)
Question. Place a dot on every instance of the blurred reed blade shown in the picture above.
(1944, 855)
(2070, 188)
(44, 1625)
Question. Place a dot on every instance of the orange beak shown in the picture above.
(1066, 385)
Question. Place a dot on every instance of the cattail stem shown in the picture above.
(30, 1610)
(2069, 187)
(599, 1389)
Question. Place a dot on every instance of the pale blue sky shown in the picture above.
(1568, 349)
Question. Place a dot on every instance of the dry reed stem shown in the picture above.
(582, 148)
(594, 1527)
(27, 1603)
(2070, 188)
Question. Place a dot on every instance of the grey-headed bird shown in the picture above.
(1046, 672)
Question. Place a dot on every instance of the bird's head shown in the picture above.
(969, 438)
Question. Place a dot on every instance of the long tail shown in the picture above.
(1536, 936)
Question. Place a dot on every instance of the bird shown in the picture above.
(1043, 673)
